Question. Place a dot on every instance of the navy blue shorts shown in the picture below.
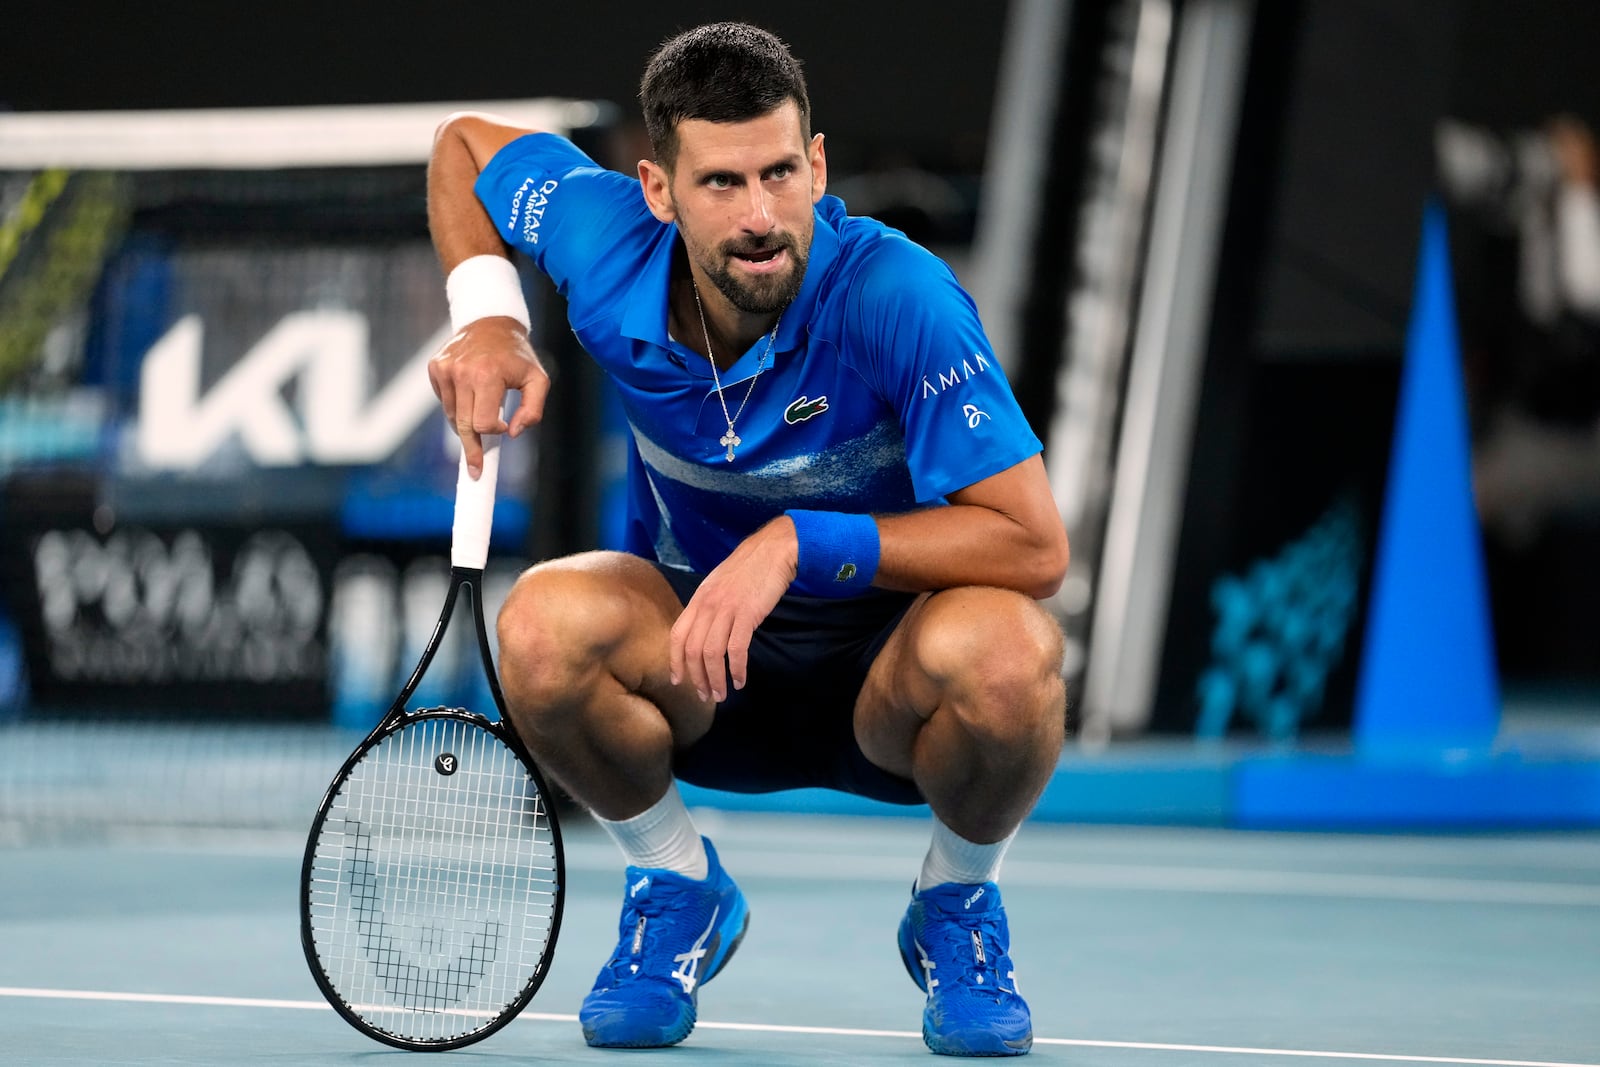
(791, 727)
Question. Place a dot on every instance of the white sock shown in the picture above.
(662, 836)
(952, 858)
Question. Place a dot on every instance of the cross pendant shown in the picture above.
(729, 440)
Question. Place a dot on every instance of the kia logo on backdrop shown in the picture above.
(337, 417)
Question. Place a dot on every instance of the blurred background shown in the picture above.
(1192, 227)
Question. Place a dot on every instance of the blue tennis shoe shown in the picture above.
(675, 935)
(956, 944)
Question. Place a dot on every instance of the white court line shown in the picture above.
(774, 1028)
(161, 998)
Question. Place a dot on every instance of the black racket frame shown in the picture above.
(466, 581)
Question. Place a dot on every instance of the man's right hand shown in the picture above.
(471, 374)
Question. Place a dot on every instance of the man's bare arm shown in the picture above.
(1004, 531)
(462, 147)
(489, 355)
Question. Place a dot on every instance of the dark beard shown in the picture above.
(761, 299)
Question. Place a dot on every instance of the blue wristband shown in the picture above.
(838, 553)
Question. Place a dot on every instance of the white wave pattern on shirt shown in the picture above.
(792, 481)
(668, 550)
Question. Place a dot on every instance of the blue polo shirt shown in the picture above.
(881, 394)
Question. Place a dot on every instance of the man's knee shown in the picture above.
(997, 656)
(558, 626)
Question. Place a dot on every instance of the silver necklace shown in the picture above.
(731, 440)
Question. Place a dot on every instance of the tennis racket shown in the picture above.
(432, 883)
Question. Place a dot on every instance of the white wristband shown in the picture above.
(484, 286)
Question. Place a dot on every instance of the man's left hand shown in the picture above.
(720, 619)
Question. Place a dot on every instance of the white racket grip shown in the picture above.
(474, 518)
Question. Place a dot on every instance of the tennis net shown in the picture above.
(77, 777)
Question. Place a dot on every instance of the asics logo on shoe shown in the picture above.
(973, 899)
(927, 967)
(1013, 976)
(640, 886)
(687, 971)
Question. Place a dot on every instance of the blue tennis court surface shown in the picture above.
(1135, 947)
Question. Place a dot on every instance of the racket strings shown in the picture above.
(413, 986)
(434, 888)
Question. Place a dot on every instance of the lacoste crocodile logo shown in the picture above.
(804, 408)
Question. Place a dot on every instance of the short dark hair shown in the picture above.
(722, 72)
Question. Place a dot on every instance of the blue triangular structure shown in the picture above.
(1429, 681)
